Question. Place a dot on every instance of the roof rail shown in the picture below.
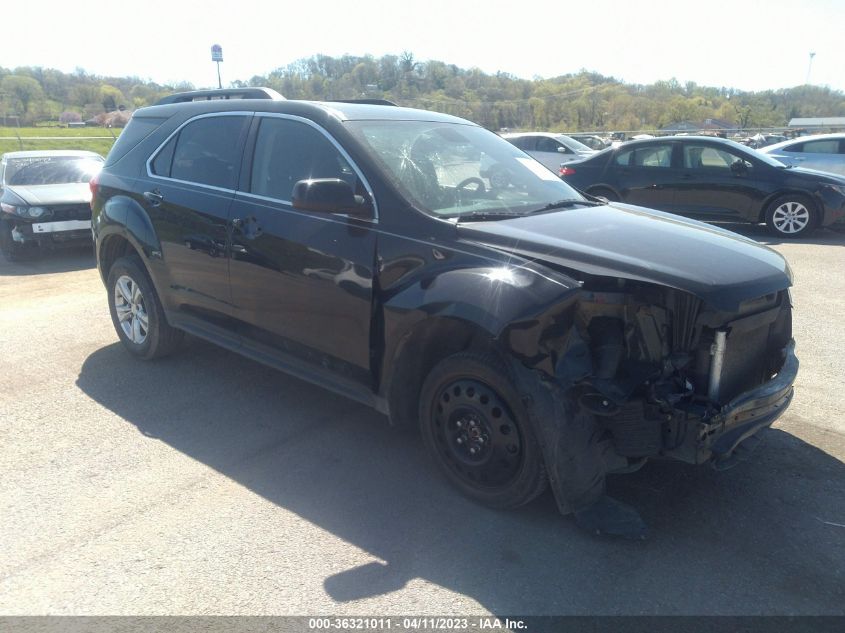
(384, 102)
(224, 93)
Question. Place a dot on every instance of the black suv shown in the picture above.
(420, 264)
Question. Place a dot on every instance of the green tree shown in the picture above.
(21, 92)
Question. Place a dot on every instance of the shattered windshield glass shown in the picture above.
(455, 170)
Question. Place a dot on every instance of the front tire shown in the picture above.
(476, 428)
(791, 216)
(136, 311)
(12, 250)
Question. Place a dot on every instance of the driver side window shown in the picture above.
(707, 157)
(546, 144)
(288, 151)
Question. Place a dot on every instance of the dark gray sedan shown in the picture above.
(45, 199)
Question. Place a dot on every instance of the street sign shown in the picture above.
(217, 53)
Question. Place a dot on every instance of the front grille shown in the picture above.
(60, 213)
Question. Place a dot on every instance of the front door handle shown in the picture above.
(154, 197)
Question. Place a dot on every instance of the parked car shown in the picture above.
(550, 149)
(825, 152)
(759, 141)
(419, 264)
(45, 199)
(593, 141)
(712, 179)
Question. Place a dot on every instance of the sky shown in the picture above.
(742, 44)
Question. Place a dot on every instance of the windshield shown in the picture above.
(575, 144)
(50, 170)
(454, 170)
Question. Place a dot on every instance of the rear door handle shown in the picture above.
(154, 197)
(687, 176)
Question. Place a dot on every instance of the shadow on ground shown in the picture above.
(60, 260)
(764, 538)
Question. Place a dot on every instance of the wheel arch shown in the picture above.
(599, 186)
(124, 226)
(510, 318)
(419, 350)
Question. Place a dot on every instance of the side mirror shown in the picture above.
(562, 150)
(739, 167)
(328, 195)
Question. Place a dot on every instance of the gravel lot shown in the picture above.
(208, 484)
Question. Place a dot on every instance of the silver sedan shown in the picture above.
(825, 152)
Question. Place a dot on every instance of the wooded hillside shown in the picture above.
(584, 101)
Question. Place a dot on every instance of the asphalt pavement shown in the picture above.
(206, 483)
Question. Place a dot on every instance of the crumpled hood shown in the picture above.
(47, 195)
(722, 268)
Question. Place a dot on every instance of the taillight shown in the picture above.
(94, 185)
(566, 171)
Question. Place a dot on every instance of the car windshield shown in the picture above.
(460, 170)
(575, 144)
(50, 170)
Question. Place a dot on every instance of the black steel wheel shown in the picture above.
(475, 426)
(137, 313)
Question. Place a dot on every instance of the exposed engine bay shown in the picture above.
(660, 370)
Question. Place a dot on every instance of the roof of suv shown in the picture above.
(339, 110)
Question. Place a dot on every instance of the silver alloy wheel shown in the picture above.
(130, 309)
(791, 217)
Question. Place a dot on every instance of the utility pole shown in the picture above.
(809, 68)
(217, 56)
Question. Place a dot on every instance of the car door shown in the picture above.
(552, 153)
(302, 282)
(716, 182)
(189, 186)
(644, 175)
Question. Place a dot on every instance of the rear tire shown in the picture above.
(603, 192)
(136, 311)
(476, 428)
(791, 216)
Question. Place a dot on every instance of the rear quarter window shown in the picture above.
(135, 131)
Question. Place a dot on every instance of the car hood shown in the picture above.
(721, 268)
(47, 195)
(817, 175)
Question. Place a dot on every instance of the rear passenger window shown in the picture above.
(824, 146)
(656, 156)
(289, 151)
(206, 152)
(164, 159)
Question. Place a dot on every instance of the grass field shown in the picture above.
(95, 139)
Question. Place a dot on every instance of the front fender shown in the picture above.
(517, 305)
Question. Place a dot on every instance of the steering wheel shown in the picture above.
(473, 180)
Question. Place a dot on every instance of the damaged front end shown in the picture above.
(664, 375)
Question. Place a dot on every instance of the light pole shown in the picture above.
(809, 67)
(217, 56)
